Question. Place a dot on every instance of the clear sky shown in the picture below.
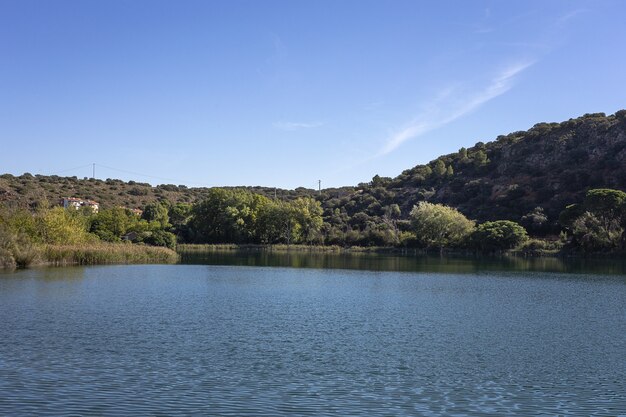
(283, 93)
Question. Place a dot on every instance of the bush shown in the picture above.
(498, 235)
(161, 238)
(536, 247)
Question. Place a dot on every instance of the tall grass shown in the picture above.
(107, 253)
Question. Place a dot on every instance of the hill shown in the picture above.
(549, 166)
(27, 190)
(519, 176)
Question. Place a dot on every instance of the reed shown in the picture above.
(107, 253)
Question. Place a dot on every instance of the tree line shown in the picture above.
(240, 216)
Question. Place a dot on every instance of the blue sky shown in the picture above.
(283, 93)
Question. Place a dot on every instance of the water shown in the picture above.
(407, 263)
(239, 341)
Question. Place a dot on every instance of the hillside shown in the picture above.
(549, 166)
(28, 190)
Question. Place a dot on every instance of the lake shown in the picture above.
(434, 339)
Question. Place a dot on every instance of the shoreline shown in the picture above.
(127, 254)
(190, 248)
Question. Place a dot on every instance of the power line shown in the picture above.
(149, 176)
(71, 169)
(93, 172)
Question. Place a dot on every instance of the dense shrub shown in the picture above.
(498, 235)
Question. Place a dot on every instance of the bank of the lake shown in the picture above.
(99, 253)
(208, 248)
(525, 251)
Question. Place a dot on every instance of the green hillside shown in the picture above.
(527, 176)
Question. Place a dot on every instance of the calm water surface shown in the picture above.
(236, 340)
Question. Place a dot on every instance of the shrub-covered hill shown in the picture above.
(28, 190)
(549, 166)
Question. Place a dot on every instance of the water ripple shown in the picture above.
(197, 340)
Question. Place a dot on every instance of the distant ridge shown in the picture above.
(549, 166)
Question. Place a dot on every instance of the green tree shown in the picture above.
(161, 237)
(439, 168)
(111, 224)
(378, 181)
(480, 158)
(591, 233)
(598, 224)
(274, 223)
(498, 235)
(156, 212)
(439, 226)
(307, 215)
(569, 215)
(226, 216)
(606, 204)
(535, 221)
(179, 214)
(463, 156)
(17, 248)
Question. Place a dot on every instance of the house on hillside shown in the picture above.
(137, 212)
(77, 203)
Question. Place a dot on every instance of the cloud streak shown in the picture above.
(291, 126)
(449, 106)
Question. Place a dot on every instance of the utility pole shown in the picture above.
(319, 186)
(93, 171)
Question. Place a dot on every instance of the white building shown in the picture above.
(68, 202)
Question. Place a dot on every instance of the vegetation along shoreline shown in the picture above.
(554, 190)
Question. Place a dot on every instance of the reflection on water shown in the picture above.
(151, 340)
(405, 263)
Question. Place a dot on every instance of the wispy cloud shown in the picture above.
(290, 126)
(452, 104)
(563, 19)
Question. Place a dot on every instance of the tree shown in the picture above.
(592, 235)
(378, 181)
(307, 216)
(569, 215)
(111, 224)
(498, 235)
(480, 158)
(161, 237)
(599, 222)
(226, 216)
(535, 221)
(179, 214)
(606, 204)
(439, 168)
(463, 156)
(274, 223)
(60, 226)
(156, 212)
(436, 225)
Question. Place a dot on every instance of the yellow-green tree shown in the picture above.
(439, 226)
(306, 213)
(60, 226)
